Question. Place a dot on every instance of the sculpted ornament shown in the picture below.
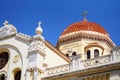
(16, 58)
(7, 30)
(36, 45)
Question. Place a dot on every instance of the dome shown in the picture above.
(84, 26)
(84, 29)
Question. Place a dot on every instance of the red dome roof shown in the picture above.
(85, 26)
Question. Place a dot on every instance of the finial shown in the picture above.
(84, 14)
(39, 24)
(39, 29)
(5, 23)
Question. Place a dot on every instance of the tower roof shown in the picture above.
(84, 26)
(84, 29)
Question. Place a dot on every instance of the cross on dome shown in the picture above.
(84, 14)
(5, 23)
(39, 29)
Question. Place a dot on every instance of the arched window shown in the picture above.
(67, 55)
(4, 56)
(17, 75)
(88, 54)
(2, 77)
(74, 53)
(96, 53)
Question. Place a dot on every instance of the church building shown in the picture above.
(84, 51)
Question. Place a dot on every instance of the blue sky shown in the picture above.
(56, 15)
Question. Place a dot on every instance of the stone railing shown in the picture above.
(58, 69)
(97, 61)
(83, 64)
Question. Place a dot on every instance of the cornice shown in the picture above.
(79, 36)
(23, 37)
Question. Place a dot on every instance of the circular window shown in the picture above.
(3, 59)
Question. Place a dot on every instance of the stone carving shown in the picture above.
(58, 69)
(32, 60)
(7, 30)
(16, 58)
(36, 45)
(115, 53)
(97, 61)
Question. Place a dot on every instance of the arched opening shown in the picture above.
(4, 56)
(2, 77)
(67, 55)
(17, 75)
(96, 53)
(74, 53)
(88, 54)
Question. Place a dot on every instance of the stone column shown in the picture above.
(27, 75)
(114, 56)
(35, 74)
(5, 77)
(73, 64)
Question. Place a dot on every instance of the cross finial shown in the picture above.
(5, 23)
(84, 14)
(39, 29)
(39, 24)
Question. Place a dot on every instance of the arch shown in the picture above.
(88, 54)
(2, 77)
(17, 74)
(67, 54)
(6, 47)
(96, 53)
(74, 53)
(4, 56)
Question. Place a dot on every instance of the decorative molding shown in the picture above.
(79, 65)
(23, 36)
(97, 61)
(7, 30)
(84, 72)
(87, 35)
(37, 45)
(16, 58)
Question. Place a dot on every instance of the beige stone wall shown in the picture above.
(52, 59)
(83, 45)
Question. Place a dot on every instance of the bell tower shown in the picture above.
(36, 55)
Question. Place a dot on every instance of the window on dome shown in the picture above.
(74, 53)
(2, 77)
(88, 54)
(67, 55)
(96, 53)
(17, 75)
